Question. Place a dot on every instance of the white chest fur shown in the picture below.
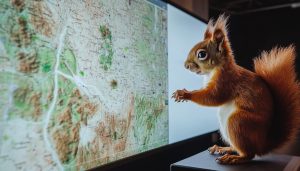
(225, 111)
(207, 78)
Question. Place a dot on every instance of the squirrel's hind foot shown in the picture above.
(233, 159)
(222, 150)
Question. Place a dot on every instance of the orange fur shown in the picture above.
(278, 70)
(266, 103)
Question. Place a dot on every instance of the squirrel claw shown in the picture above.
(180, 95)
(173, 95)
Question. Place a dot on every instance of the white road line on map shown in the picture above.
(12, 88)
(89, 90)
(52, 105)
(80, 87)
(65, 75)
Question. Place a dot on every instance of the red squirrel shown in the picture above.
(259, 111)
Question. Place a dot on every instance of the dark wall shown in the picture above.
(252, 33)
(196, 8)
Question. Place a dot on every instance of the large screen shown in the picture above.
(82, 83)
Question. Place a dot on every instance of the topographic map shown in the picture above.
(82, 83)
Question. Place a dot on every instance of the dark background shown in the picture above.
(252, 33)
(254, 26)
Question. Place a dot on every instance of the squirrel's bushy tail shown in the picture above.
(278, 70)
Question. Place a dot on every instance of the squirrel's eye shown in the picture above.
(201, 54)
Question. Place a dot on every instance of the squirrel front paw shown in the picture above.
(181, 95)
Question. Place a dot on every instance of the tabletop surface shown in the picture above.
(206, 161)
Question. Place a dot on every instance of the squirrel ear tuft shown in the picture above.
(220, 30)
(209, 30)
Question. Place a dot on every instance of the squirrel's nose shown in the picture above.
(191, 65)
(187, 65)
